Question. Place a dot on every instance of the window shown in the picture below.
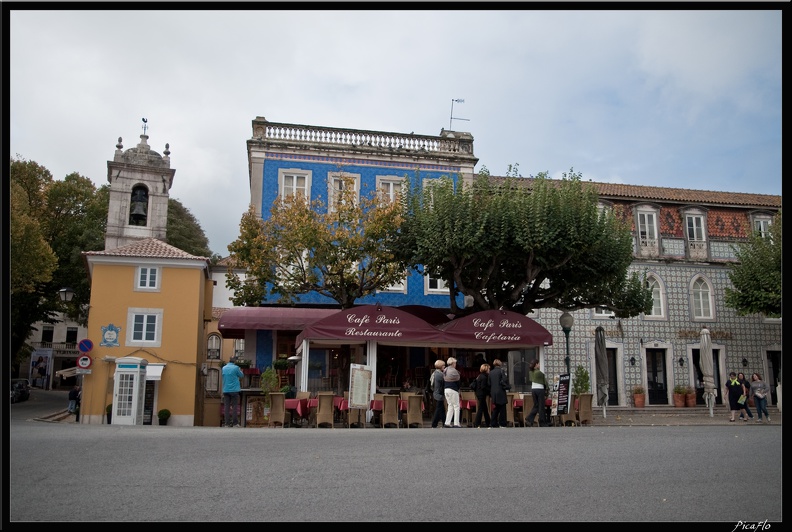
(47, 334)
(436, 285)
(239, 348)
(212, 380)
(761, 224)
(647, 232)
(147, 278)
(213, 347)
(144, 327)
(397, 287)
(71, 335)
(390, 186)
(658, 297)
(335, 188)
(701, 303)
(292, 182)
(695, 234)
(600, 312)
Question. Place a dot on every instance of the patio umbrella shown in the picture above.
(601, 356)
(707, 369)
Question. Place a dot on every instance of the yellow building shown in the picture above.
(150, 302)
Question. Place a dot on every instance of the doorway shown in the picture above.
(656, 378)
(613, 383)
(773, 371)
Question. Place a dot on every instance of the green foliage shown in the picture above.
(184, 232)
(280, 363)
(522, 244)
(680, 389)
(581, 381)
(756, 279)
(164, 413)
(109, 408)
(269, 383)
(343, 253)
(638, 390)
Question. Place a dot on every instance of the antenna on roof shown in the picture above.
(457, 100)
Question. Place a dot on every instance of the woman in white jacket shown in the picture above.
(451, 381)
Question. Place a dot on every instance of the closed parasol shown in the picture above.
(601, 356)
(707, 370)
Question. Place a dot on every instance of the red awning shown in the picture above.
(235, 321)
(385, 325)
(431, 315)
(495, 329)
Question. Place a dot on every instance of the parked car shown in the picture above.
(14, 395)
(22, 387)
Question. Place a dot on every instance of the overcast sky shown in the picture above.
(687, 99)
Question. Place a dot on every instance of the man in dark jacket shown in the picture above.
(498, 388)
(438, 393)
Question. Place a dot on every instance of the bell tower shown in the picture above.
(140, 180)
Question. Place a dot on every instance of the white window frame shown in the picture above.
(214, 347)
(439, 288)
(334, 182)
(397, 287)
(696, 234)
(212, 382)
(647, 231)
(147, 278)
(761, 223)
(286, 182)
(701, 304)
(602, 313)
(658, 298)
(149, 314)
(390, 186)
(239, 347)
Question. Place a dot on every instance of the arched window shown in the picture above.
(138, 206)
(701, 299)
(658, 297)
(213, 346)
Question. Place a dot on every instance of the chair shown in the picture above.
(377, 419)
(510, 409)
(277, 409)
(390, 410)
(467, 412)
(528, 404)
(414, 414)
(324, 409)
(585, 414)
(355, 416)
(571, 417)
(304, 395)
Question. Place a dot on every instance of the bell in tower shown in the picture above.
(138, 206)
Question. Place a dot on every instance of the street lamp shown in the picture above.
(566, 320)
(66, 294)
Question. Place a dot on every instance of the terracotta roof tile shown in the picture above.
(149, 248)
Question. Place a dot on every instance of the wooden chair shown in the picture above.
(571, 417)
(510, 409)
(585, 414)
(414, 415)
(277, 409)
(467, 413)
(377, 416)
(324, 409)
(390, 410)
(528, 404)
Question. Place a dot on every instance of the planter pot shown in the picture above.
(690, 399)
(163, 421)
(639, 400)
(109, 418)
(679, 400)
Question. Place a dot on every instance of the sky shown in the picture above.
(671, 98)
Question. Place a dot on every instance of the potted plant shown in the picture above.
(639, 396)
(280, 364)
(690, 396)
(679, 395)
(581, 381)
(109, 412)
(163, 416)
(269, 383)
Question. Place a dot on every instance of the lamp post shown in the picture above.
(566, 320)
(66, 294)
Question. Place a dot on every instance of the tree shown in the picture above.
(757, 276)
(184, 231)
(340, 249)
(522, 244)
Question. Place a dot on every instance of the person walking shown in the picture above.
(747, 389)
(759, 391)
(498, 389)
(232, 378)
(74, 395)
(482, 392)
(451, 390)
(437, 383)
(538, 391)
(734, 389)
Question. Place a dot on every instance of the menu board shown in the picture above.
(560, 395)
(359, 386)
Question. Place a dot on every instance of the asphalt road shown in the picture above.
(65, 472)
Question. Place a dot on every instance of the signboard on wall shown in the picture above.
(359, 386)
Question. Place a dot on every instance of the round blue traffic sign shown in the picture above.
(85, 346)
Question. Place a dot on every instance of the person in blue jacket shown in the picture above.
(232, 377)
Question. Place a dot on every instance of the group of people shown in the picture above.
(490, 382)
(740, 390)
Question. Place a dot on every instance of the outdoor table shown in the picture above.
(298, 406)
